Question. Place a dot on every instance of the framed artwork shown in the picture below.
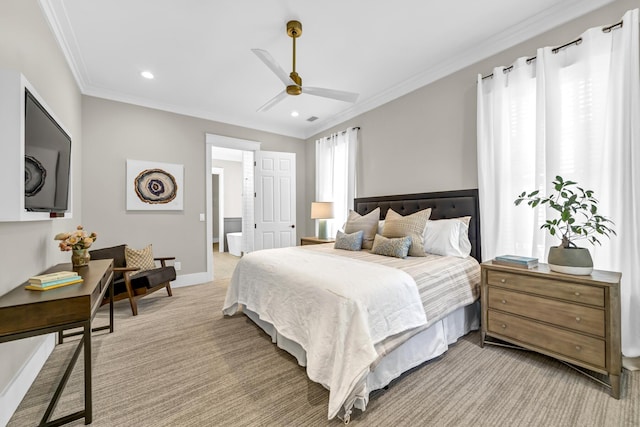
(154, 186)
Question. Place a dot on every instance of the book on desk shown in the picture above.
(516, 261)
(46, 282)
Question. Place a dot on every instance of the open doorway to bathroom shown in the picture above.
(229, 199)
(227, 193)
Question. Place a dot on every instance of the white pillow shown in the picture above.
(448, 237)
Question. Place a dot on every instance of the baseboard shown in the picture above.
(216, 240)
(15, 391)
(191, 279)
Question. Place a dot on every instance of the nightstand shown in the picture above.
(314, 241)
(575, 319)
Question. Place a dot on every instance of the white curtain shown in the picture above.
(336, 174)
(573, 112)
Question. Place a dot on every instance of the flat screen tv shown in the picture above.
(47, 160)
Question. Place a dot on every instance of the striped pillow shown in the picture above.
(396, 225)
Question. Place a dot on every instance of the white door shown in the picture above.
(275, 210)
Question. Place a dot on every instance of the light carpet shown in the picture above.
(181, 363)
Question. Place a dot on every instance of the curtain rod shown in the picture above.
(345, 131)
(559, 48)
(339, 133)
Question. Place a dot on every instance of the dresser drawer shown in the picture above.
(592, 295)
(564, 343)
(578, 317)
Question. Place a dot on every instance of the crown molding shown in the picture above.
(192, 112)
(69, 48)
(544, 21)
(538, 24)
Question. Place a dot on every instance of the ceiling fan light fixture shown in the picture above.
(294, 90)
(294, 114)
(147, 74)
(293, 81)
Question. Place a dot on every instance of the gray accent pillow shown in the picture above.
(367, 223)
(396, 225)
(349, 242)
(398, 247)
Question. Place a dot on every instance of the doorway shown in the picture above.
(228, 175)
(270, 210)
(247, 150)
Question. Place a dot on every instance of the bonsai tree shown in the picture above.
(577, 211)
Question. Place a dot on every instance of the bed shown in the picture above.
(358, 320)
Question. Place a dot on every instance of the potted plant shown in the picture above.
(577, 218)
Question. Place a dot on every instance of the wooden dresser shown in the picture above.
(575, 319)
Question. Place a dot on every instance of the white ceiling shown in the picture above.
(199, 50)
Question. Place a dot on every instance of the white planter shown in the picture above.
(575, 261)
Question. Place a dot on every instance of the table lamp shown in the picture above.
(322, 211)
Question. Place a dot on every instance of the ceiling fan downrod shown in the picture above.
(294, 30)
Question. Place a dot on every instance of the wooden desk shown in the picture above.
(25, 313)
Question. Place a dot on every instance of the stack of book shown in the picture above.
(44, 282)
(516, 261)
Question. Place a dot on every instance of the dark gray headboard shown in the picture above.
(443, 204)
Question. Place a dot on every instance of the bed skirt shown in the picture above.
(422, 347)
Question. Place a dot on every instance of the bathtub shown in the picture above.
(234, 241)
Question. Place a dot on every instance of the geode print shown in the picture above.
(155, 186)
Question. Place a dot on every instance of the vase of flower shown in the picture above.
(78, 242)
(80, 257)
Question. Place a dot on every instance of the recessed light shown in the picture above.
(294, 114)
(147, 74)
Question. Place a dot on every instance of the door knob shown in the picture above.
(293, 226)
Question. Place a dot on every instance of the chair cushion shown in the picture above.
(116, 253)
(151, 278)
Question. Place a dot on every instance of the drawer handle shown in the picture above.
(578, 319)
(578, 348)
(503, 326)
(577, 294)
(503, 280)
(503, 301)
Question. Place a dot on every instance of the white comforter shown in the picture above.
(337, 309)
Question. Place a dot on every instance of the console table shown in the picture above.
(25, 313)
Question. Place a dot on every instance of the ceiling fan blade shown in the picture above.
(340, 95)
(273, 66)
(273, 101)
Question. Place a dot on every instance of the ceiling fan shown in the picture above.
(293, 82)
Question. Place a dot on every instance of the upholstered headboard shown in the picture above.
(443, 204)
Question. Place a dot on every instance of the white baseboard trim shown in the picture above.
(216, 240)
(15, 391)
(191, 279)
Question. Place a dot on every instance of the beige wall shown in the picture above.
(232, 187)
(27, 46)
(115, 131)
(426, 140)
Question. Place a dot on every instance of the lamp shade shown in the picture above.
(321, 210)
